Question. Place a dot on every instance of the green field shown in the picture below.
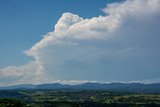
(49, 98)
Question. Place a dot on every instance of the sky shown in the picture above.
(79, 41)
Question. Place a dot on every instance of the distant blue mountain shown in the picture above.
(51, 86)
(123, 87)
(20, 87)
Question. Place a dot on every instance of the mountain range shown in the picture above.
(123, 87)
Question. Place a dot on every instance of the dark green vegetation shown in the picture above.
(10, 102)
(88, 98)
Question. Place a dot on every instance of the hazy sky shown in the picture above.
(77, 41)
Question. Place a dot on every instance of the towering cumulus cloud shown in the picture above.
(123, 45)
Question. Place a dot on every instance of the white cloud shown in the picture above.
(100, 48)
(12, 71)
(67, 20)
(28, 73)
(73, 82)
(72, 26)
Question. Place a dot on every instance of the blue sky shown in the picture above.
(79, 41)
